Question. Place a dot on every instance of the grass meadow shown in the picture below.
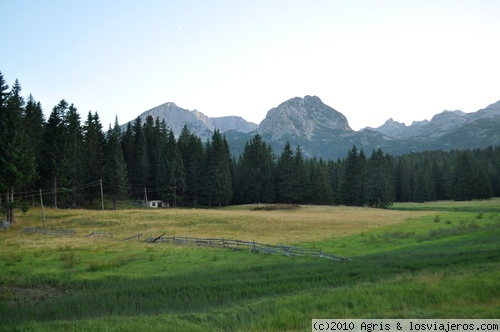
(432, 260)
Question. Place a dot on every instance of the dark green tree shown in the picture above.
(139, 170)
(17, 161)
(482, 186)
(335, 169)
(301, 185)
(321, 184)
(115, 168)
(285, 171)
(379, 188)
(34, 123)
(423, 187)
(349, 186)
(171, 181)
(255, 182)
(55, 164)
(463, 177)
(217, 185)
(74, 155)
(93, 155)
(127, 143)
(192, 154)
(404, 180)
(151, 129)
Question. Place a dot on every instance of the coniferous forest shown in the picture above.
(66, 160)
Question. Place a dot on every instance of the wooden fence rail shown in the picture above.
(251, 246)
(50, 231)
(101, 234)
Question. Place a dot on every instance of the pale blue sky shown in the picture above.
(370, 60)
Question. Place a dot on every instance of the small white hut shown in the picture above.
(153, 204)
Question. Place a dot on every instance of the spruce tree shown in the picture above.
(139, 170)
(93, 152)
(379, 191)
(482, 188)
(321, 184)
(55, 165)
(284, 175)
(74, 152)
(463, 177)
(255, 172)
(116, 175)
(334, 170)
(171, 182)
(348, 179)
(301, 186)
(151, 129)
(127, 143)
(192, 154)
(218, 185)
(34, 123)
(17, 161)
(404, 180)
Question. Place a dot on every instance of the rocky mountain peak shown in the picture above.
(197, 122)
(303, 117)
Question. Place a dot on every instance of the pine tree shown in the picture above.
(284, 175)
(139, 169)
(127, 143)
(334, 169)
(74, 148)
(255, 172)
(379, 191)
(482, 188)
(462, 177)
(17, 161)
(34, 123)
(348, 179)
(321, 184)
(170, 181)
(424, 189)
(55, 165)
(218, 185)
(192, 154)
(151, 129)
(404, 180)
(93, 152)
(301, 186)
(116, 176)
(438, 180)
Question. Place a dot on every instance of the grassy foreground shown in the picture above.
(436, 260)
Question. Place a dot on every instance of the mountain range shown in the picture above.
(322, 131)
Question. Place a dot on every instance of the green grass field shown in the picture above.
(433, 260)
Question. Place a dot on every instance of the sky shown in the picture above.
(370, 60)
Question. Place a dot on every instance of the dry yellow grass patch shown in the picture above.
(305, 224)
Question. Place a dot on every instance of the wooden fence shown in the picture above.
(101, 234)
(50, 231)
(251, 246)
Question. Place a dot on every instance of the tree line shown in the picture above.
(61, 152)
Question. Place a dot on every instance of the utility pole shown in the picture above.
(102, 196)
(146, 197)
(43, 214)
(55, 192)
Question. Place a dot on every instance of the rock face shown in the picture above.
(197, 122)
(440, 125)
(303, 117)
(322, 131)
